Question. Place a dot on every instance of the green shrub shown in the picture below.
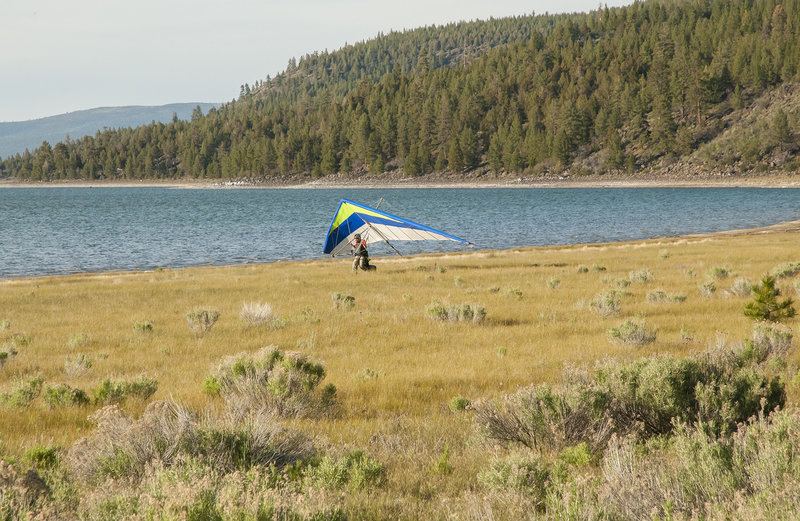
(78, 340)
(42, 456)
(64, 395)
(741, 287)
(553, 283)
(202, 320)
(24, 392)
(641, 276)
(459, 403)
(718, 272)
(577, 455)
(765, 305)
(632, 332)
(605, 304)
(789, 269)
(113, 390)
(707, 289)
(656, 296)
(77, 365)
(355, 471)
(598, 267)
(463, 313)
(443, 465)
(342, 301)
(5, 324)
(528, 475)
(143, 327)
(493, 289)
(121, 447)
(582, 269)
(286, 383)
(515, 292)
(772, 339)
(716, 390)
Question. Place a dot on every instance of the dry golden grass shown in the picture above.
(416, 365)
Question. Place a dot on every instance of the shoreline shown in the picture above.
(782, 227)
(433, 181)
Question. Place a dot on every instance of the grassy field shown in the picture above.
(395, 368)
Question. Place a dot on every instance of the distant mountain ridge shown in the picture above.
(17, 136)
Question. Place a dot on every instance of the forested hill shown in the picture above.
(697, 86)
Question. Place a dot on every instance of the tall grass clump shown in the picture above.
(255, 314)
(707, 289)
(455, 313)
(202, 320)
(632, 332)
(286, 383)
(605, 304)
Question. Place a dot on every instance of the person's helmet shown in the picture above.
(357, 236)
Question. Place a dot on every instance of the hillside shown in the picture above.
(652, 88)
(18, 136)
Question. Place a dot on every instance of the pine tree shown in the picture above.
(765, 305)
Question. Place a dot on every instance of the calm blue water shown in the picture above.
(46, 231)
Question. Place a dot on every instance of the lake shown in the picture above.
(46, 231)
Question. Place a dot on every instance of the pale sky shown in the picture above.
(59, 56)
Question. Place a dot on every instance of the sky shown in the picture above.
(59, 56)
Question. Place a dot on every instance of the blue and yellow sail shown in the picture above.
(375, 226)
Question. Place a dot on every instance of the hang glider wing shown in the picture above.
(375, 226)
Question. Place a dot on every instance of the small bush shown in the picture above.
(632, 332)
(741, 287)
(656, 296)
(285, 383)
(789, 269)
(621, 283)
(641, 276)
(43, 457)
(342, 301)
(443, 465)
(77, 365)
(501, 351)
(255, 314)
(515, 292)
(707, 289)
(528, 474)
(367, 374)
(463, 313)
(718, 272)
(553, 283)
(112, 391)
(143, 327)
(493, 289)
(459, 403)
(606, 304)
(121, 447)
(24, 392)
(64, 396)
(582, 269)
(5, 324)
(577, 455)
(355, 471)
(772, 338)
(7, 352)
(598, 267)
(202, 320)
(78, 340)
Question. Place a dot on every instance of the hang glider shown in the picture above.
(375, 226)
